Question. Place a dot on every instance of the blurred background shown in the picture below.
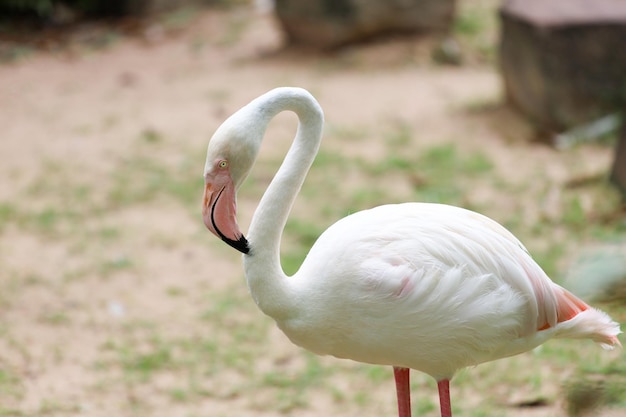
(116, 301)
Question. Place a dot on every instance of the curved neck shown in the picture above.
(268, 283)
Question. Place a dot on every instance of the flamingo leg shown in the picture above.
(403, 391)
(444, 397)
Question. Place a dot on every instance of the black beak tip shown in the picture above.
(240, 244)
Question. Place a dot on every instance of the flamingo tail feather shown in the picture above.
(591, 324)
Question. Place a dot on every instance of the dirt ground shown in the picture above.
(90, 280)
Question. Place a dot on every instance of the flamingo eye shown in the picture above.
(222, 164)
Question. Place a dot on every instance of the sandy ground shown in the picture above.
(78, 117)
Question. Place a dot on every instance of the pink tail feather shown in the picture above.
(578, 320)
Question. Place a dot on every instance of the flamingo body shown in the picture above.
(421, 286)
(430, 287)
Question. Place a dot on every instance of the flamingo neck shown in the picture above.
(268, 284)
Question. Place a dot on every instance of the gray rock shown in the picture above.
(562, 61)
(332, 23)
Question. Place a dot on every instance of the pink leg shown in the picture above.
(403, 391)
(444, 397)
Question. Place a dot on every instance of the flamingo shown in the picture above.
(430, 287)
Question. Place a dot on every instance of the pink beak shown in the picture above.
(219, 210)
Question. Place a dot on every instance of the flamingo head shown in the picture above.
(230, 155)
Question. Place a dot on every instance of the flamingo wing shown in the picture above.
(433, 239)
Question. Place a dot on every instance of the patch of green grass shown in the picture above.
(478, 412)
(574, 215)
(47, 219)
(55, 318)
(440, 193)
(303, 234)
(10, 411)
(140, 355)
(477, 163)
(350, 133)
(330, 160)
(222, 305)
(150, 135)
(361, 398)
(400, 136)
(292, 259)
(442, 173)
(306, 232)
(237, 26)
(53, 205)
(185, 187)
(179, 18)
(14, 53)
(180, 394)
(396, 163)
(377, 374)
(137, 180)
(368, 197)
(424, 405)
(140, 179)
(470, 22)
(446, 160)
(475, 27)
(145, 364)
(10, 385)
(441, 163)
(286, 402)
(614, 367)
(175, 291)
(8, 214)
(108, 233)
(110, 266)
(54, 407)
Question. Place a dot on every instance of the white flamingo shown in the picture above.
(421, 286)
